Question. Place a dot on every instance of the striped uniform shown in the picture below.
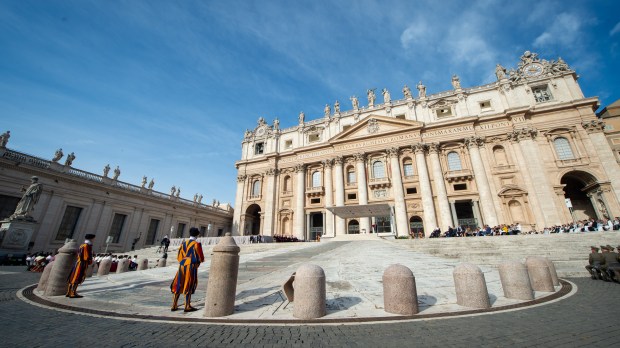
(190, 256)
(85, 258)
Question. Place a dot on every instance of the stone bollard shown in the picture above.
(44, 277)
(470, 286)
(143, 264)
(90, 269)
(540, 276)
(222, 284)
(310, 292)
(554, 274)
(63, 264)
(161, 262)
(104, 267)
(399, 291)
(122, 265)
(515, 281)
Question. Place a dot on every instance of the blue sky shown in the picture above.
(166, 88)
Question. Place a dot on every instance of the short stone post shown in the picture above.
(470, 286)
(540, 276)
(90, 269)
(400, 295)
(104, 267)
(44, 277)
(554, 274)
(515, 281)
(222, 284)
(143, 264)
(310, 292)
(63, 264)
(121, 266)
(161, 262)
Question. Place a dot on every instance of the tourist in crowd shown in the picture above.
(78, 273)
(186, 280)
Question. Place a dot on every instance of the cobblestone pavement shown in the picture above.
(589, 318)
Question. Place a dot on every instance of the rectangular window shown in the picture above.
(351, 177)
(259, 148)
(408, 169)
(314, 137)
(444, 112)
(68, 223)
(351, 196)
(180, 230)
(412, 190)
(460, 187)
(402, 117)
(542, 94)
(203, 231)
(345, 127)
(485, 105)
(152, 233)
(315, 201)
(117, 227)
(288, 144)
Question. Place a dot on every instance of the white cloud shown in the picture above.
(564, 30)
(615, 30)
(416, 33)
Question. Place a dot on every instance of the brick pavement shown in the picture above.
(585, 319)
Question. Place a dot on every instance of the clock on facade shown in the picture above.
(533, 69)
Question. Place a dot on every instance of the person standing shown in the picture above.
(78, 273)
(186, 280)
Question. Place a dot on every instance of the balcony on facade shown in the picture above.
(315, 191)
(376, 183)
(255, 197)
(503, 168)
(572, 162)
(458, 175)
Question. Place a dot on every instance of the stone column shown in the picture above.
(601, 146)
(430, 220)
(339, 173)
(362, 189)
(269, 201)
(329, 216)
(402, 224)
(440, 188)
(300, 199)
(455, 219)
(476, 210)
(237, 227)
(488, 208)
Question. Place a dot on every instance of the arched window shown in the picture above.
(378, 170)
(408, 167)
(500, 155)
(351, 178)
(454, 161)
(287, 184)
(316, 179)
(256, 188)
(562, 148)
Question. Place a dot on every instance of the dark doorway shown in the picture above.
(316, 225)
(582, 205)
(465, 214)
(416, 227)
(252, 220)
(353, 227)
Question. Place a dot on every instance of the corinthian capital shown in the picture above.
(338, 160)
(594, 126)
(271, 171)
(359, 157)
(241, 178)
(392, 152)
(419, 148)
(299, 168)
(433, 148)
(328, 163)
(474, 142)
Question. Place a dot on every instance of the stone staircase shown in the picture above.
(568, 251)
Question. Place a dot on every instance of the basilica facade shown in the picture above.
(525, 149)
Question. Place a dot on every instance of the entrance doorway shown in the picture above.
(354, 227)
(416, 227)
(465, 214)
(252, 220)
(383, 224)
(574, 190)
(316, 225)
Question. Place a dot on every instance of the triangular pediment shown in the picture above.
(373, 125)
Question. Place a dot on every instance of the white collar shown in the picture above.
(88, 242)
(192, 238)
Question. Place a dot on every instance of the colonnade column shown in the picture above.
(328, 221)
(300, 199)
(440, 186)
(362, 189)
(271, 191)
(488, 209)
(237, 229)
(430, 220)
(340, 225)
(402, 224)
(603, 151)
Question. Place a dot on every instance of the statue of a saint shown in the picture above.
(302, 117)
(214, 202)
(4, 138)
(421, 90)
(276, 124)
(386, 96)
(261, 121)
(195, 197)
(178, 192)
(57, 155)
(106, 170)
(117, 173)
(560, 65)
(173, 190)
(370, 93)
(327, 111)
(355, 102)
(199, 199)
(336, 107)
(25, 206)
(151, 184)
(407, 92)
(70, 158)
(144, 179)
(500, 72)
(456, 82)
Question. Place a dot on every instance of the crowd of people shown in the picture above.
(280, 238)
(133, 262)
(604, 265)
(36, 262)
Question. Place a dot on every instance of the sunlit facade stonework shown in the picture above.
(506, 152)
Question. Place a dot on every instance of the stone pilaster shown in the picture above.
(402, 223)
(269, 202)
(328, 221)
(362, 189)
(608, 161)
(237, 227)
(300, 199)
(440, 188)
(488, 208)
(430, 219)
(339, 175)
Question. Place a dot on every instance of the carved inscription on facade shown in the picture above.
(448, 131)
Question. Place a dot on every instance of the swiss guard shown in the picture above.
(78, 274)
